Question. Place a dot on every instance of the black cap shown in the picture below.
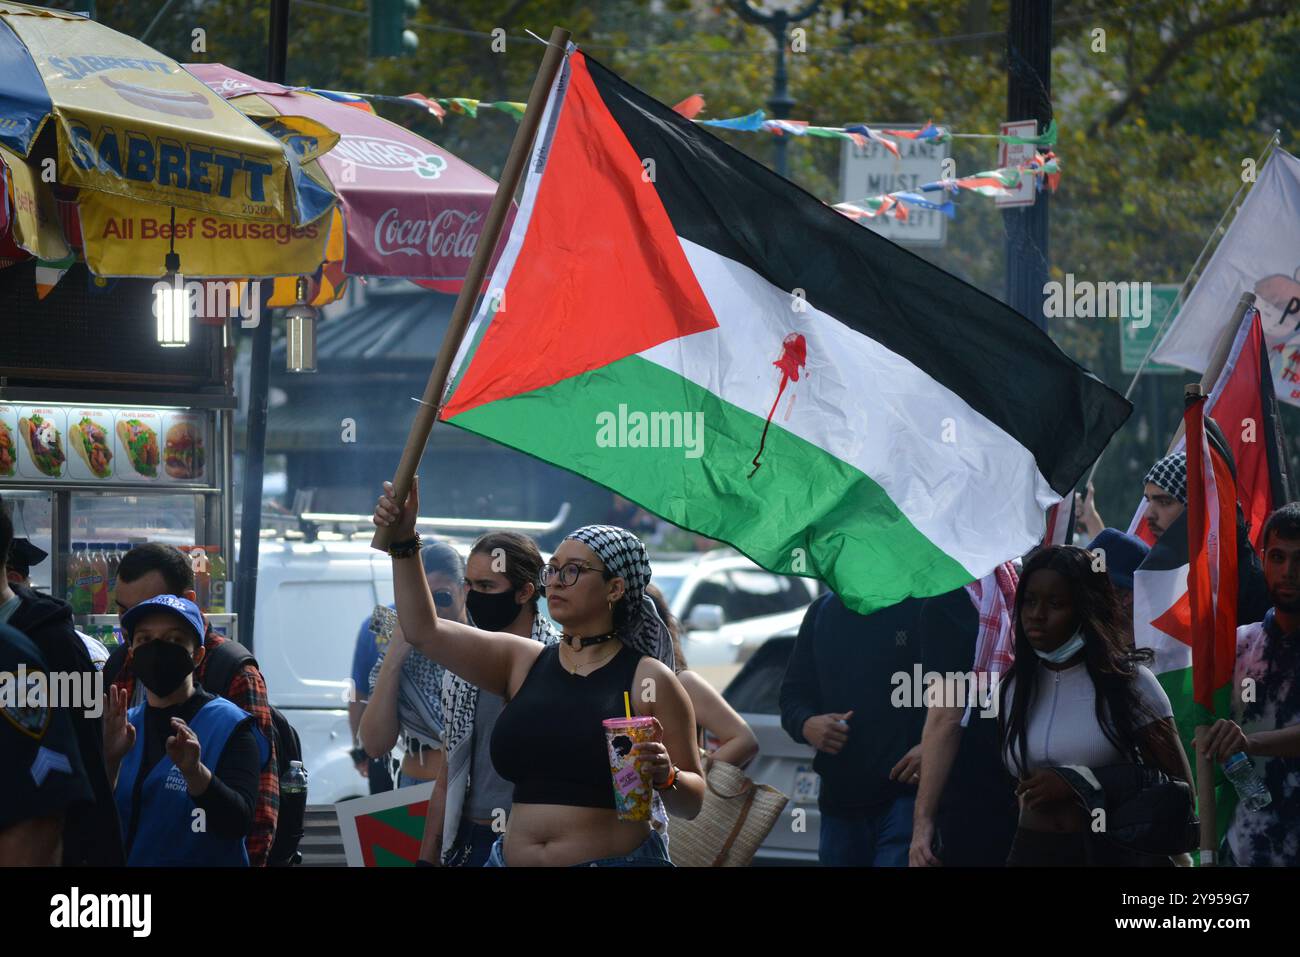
(23, 555)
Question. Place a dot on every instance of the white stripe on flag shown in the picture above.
(1154, 593)
(940, 461)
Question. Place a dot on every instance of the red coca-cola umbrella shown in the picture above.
(410, 208)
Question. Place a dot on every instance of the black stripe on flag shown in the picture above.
(1002, 365)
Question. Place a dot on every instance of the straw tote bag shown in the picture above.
(736, 817)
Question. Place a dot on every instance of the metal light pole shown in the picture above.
(258, 391)
(777, 21)
(1029, 97)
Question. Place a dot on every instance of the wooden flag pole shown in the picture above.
(1205, 803)
(520, 149)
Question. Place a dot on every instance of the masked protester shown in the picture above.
(471, 799)
(152, 569)
(406, 687)
(548, 741)
(184, 764)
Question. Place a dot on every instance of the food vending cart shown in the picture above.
(109, 438)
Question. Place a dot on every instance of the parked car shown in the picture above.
(724, 602)
(755, 692)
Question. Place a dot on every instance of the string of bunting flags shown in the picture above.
(439, 106)
(1044, 167)
(997, 182)
(690, 108)
(859, 133)
(994, 182)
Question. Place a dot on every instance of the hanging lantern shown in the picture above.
(301, 332)
(171, 302)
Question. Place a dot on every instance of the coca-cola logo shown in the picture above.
(387, 155)
(451, 234)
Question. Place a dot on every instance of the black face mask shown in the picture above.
(161, 666)
(492, 611)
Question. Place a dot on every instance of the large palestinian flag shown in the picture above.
(674, 321)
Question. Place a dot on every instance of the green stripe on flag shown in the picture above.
(849, 532)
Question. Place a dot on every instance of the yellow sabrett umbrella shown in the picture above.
(121, 119)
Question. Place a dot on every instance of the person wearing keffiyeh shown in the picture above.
(1165, 489)
(470, 798)
(548, 741)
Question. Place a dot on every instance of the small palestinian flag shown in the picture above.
(49, 272)
(676, 322)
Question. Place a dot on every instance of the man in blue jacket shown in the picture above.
(839, 695)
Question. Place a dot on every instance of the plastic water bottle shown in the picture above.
(1250, 789)
(295, 779)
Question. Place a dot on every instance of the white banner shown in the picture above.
(1261, 254)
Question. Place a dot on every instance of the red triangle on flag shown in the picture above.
(1177, 621)
(601, 274)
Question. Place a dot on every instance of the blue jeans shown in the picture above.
(650, 853)
(474, 842)
(874, 840)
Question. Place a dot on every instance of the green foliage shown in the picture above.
(1153, 129)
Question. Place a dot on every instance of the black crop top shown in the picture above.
(548, 740)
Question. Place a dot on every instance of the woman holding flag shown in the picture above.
(615, 654)
(1085, 726)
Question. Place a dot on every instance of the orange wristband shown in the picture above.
(672, 780)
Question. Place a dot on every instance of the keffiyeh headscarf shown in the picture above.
(1170, 473)
(624, 556)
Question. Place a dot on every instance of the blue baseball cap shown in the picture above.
(181, 607)
(1124, 553)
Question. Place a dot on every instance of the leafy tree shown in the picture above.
(1154, 122)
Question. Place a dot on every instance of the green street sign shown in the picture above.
(1135, 340)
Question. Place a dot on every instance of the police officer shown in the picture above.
(39, 761)
(22, 556)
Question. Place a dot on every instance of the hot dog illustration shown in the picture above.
(193, 105)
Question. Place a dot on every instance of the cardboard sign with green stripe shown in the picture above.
(384, 830)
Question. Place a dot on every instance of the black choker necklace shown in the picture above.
(578, 644)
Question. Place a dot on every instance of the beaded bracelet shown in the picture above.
(406, 549)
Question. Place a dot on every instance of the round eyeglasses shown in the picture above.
(565, 575)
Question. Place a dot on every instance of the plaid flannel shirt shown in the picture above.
(994, 597)
(248, 691)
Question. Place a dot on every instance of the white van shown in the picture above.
(312, 598)
(311, 601)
